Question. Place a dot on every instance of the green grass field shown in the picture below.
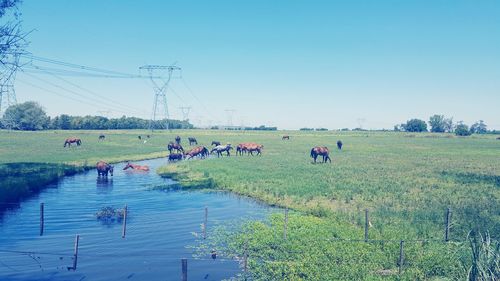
(406, 181)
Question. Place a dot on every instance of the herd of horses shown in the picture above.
(177, 152)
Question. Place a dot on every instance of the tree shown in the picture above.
(28, 116)
(12, 39)
(448, 125)
(438, 123)
(462, 129)
(415, 125)
(479, 128)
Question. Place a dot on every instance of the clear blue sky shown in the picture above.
(289, 64)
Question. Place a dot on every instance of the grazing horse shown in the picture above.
(171, 146)
(321, 150)
(285, 138)
(139, 137)
(200, 150)
(178, 140)
(254, 147)
(103, 168)
(216, 143)
(192, 141)
(136, 167)
(221, 148)
(69, 141)
(175, 157)
(339, 145)
(102, 137)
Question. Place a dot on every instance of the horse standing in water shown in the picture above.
(103, 168)
(69, 141)
(171, 146)
(321, 150)
(144, 168)
(175, 157)
(221, 148)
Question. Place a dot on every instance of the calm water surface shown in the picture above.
(162, 227)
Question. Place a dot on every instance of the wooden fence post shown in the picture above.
(401, 255)
(205, 224)
(366, 225)
(42, 219)
(75, 254)
(447, 221)
(184, 264)
(285, 224)
(124, 230)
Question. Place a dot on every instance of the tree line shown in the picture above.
(30, 116)
(441, 124)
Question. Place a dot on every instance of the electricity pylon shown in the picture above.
(160, 86)
(185, 112)
(230, 114)
(7, 90)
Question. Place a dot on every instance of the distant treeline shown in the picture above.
(66, 122)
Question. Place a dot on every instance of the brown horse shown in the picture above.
(193, 141)
(321, 150)
(69, 141)
(171, 146)
(136, 167)
(102, 137)
(103, 168)
(175, 157)
(249, 147)
(178, 140)
(200, 150)
(285, 138)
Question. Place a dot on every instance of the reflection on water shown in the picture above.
(160, 227)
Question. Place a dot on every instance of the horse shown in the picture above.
(178, 140)
(200, 150)
(192, 141)
(102, 137)
(339, 145)
(285, 138)
(175, 157)
(221, 148)
(171, 146)
(216, 143)
(254, 147)
(139, 137)
(249, 147)
(69, 141)
(103, 168)
(136, 167)
(321, 150)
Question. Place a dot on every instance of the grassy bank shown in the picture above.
(406, 181)
(29, 161)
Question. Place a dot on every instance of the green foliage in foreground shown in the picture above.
(314, 250)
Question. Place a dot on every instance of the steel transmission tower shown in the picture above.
(230, 114)
(185, 112)
(7, 91)
(160, 86)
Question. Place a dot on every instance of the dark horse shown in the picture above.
(102, 137)
(285, 138)
(178, 140)
(216, 143)
(200, 150)
(221, 148)
(69, 141)
(175, 157)
(339, 145)
(321, 150)
(192, 141)
(171, 146)
(103, 168)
